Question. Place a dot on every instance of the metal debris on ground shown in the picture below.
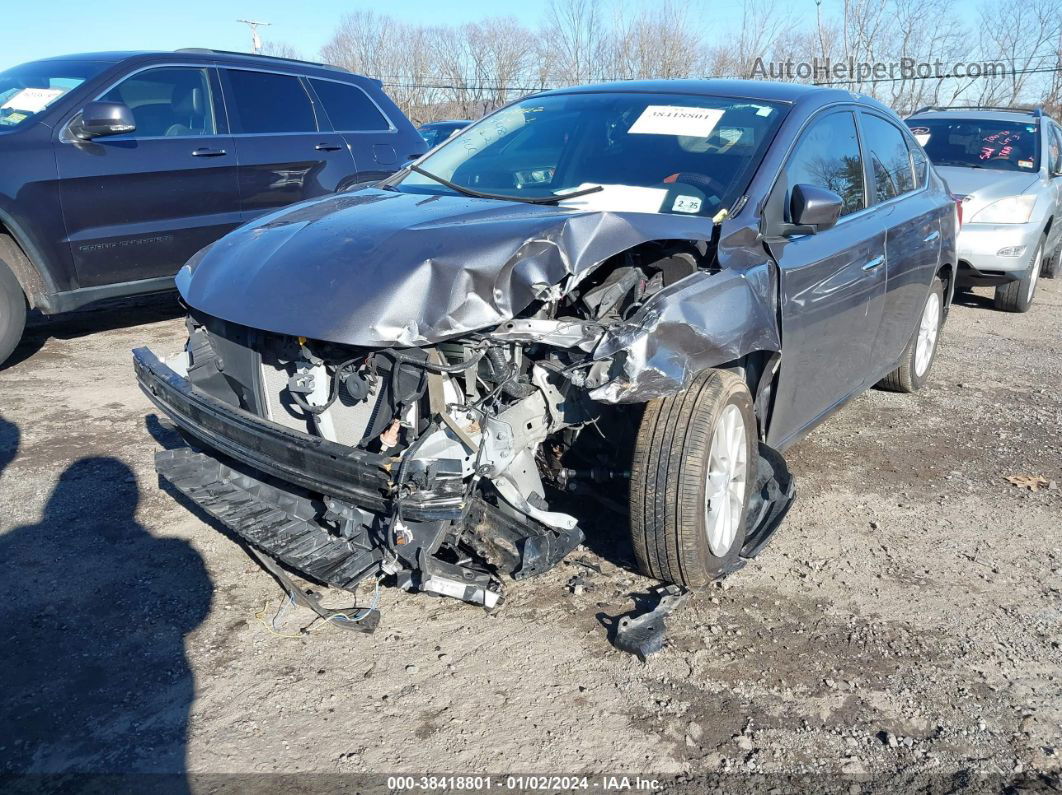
(587, 564)
(644, 634)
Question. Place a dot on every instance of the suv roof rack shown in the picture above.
(1038, 111)
(207, 50)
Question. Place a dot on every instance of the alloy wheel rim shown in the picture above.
(928, 329)
(1035, 275)
(725, 482)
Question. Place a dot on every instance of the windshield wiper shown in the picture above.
(482, 195)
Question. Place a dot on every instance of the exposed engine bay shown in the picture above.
(496, 428)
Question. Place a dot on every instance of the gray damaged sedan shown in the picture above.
(603, 309)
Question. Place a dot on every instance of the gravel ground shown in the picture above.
(902, 630)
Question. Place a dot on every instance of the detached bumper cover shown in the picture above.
(311, 462)
(273, 520)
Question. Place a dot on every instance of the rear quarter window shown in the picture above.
(349, 108)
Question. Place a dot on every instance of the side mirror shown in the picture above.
(104, 118)
(814, 207)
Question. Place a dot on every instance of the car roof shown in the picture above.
(112, 56)
(976, 115)
(220, 56)
(743, 89)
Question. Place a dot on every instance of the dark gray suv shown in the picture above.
(116, 167)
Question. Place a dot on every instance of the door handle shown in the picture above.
(931, 236)
(204, 152)
(874, 263)
(327, 148)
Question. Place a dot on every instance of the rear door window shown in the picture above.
(349, 108)
(828, 156)
(890, 159)
(264, 102)
(171, 101)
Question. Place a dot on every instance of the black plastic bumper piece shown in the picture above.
(278, 522)
(772, 497)
(311, 462)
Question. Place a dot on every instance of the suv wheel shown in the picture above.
(1049, 269)
(12, 311)
(921, 351)
(1017, 296)
(694, 464)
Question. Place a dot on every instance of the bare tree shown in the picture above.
(576, 35)
(467, 70)
(1026, 42)
(280, 49)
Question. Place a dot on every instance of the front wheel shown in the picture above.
(1017, 296)
(12, 312)
(921, 351)
(695, 460)
(1049, 269)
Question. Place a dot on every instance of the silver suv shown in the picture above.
(1005, 165)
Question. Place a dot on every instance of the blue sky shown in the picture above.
(60, 27)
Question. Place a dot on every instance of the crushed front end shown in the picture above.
(468, 391)
(446, 466)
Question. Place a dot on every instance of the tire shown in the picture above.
(1049, 270)
(1017, 296)
(917, 361)
(669, 485)
(12, 312)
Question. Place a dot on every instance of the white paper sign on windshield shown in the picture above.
(32, 100)
(676, 120)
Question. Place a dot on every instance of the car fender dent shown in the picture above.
(702, 321)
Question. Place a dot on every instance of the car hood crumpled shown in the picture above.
(379, 268)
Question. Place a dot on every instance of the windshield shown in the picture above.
(28, 89)
(650, 153)
(979, 143)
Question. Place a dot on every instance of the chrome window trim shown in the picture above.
(825, 110)
(391, 129)
(903, 135)
(65, 137)
(312, 98)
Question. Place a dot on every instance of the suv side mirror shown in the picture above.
(814, 208)
(104, 118)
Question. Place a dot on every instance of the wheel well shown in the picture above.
(27, 275)
(947, 275)
(759, 370)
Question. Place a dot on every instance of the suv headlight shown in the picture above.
(1011, 210)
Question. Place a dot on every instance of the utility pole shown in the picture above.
(256, 41)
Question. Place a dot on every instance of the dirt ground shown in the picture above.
(901, 631)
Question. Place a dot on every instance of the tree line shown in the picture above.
(464, 71)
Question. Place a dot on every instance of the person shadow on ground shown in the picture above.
(94, 612)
